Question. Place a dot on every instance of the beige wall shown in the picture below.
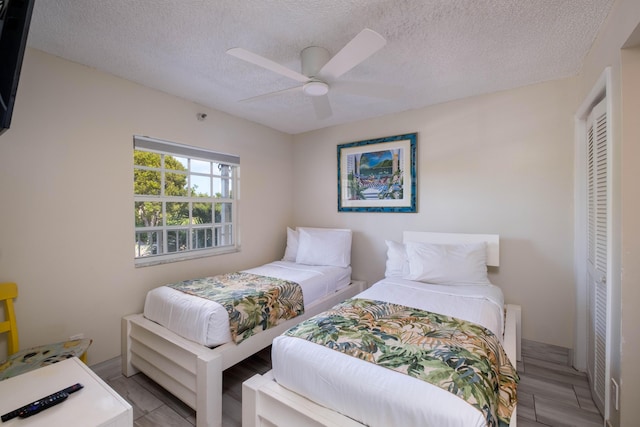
(66, 219)
(500, 163)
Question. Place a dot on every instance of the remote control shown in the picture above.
(41, 404)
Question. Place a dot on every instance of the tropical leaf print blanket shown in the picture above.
(254, 302)
(461, 357)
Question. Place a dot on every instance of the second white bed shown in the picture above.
(377, 396)
(312, 386)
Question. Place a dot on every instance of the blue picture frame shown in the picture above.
(378, 175)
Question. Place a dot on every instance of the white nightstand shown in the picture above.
(94, 405)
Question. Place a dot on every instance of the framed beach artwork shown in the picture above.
(378, 175)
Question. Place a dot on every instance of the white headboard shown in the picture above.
(492, 240)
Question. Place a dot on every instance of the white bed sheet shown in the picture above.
(207, 322)
(377, 396)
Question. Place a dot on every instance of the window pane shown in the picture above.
(146, 158)
(202, 238)
(221, 188)
(176, 240)
(223, 212)
(175, 163)
(202, 213)
(148, 214)
(177, 213)
(146, 182)
(175, 184)
(200, 166)
(223, 236)
(148, 243)
(201, 185)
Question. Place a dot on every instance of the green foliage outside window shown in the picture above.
(148, 182)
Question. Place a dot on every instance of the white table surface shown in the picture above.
(96, 404)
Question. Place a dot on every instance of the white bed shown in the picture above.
(307, 379)
(174, 348)
(207, 322)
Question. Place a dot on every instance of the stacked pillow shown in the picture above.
(319, 246)
(443, 264)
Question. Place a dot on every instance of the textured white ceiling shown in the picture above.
(437, 50)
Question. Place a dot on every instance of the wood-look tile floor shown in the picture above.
(550, 393)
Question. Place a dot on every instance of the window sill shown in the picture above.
(165, 259)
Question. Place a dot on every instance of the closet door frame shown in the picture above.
(600, 91)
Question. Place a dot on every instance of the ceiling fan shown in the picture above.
(320, 71)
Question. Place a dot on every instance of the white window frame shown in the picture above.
(226, 230)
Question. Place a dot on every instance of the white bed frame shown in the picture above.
(265, 403)
(193, 372)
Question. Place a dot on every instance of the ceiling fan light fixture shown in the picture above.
(318, 67)
(315, 88)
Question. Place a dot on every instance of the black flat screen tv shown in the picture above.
(15, 16)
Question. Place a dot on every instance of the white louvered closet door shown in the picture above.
(597, 199)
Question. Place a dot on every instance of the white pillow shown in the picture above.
(324, 246)
(291, 250)
(447, 264)
(397, 261)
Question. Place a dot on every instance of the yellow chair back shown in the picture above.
(9, 292)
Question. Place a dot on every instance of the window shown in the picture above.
(185, 201)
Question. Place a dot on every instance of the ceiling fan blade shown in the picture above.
(371, 90)
(272, 94)
(322, 106)
(263, 62)
(362, 46)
